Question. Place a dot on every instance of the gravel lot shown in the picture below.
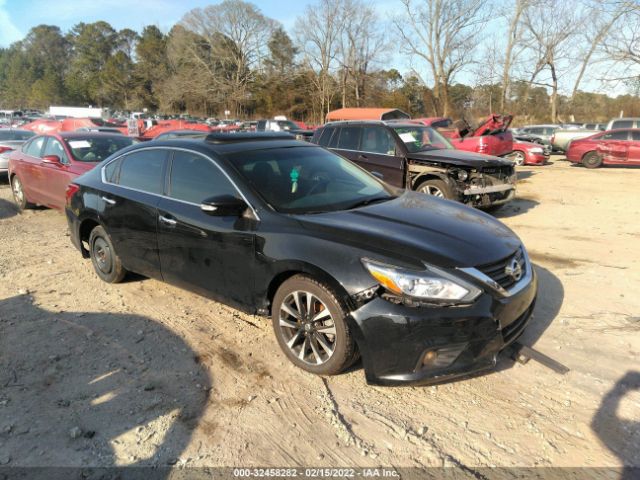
(143, 373)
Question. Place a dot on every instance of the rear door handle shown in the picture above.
(168, 221)
(363, 157)
(109, 200)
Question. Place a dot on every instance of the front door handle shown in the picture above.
(363, 157)
(168, 221)
(110, 201)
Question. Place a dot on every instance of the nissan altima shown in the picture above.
(423, 289)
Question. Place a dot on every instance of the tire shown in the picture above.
(324, 346)
(435, 187)
(105, 261)
(592, 160)
(18, 194)
(519, 157)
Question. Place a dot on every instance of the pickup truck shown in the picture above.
(413, 156)
(562, 137)
(491, 136)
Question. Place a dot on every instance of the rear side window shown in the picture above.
(635, 136)
(622, 135)
(34, 147)
(195, 178)
(349, 138)
(143, 170)
(622, 124)
(325, 136)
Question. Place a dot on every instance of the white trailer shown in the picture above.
(78, 112)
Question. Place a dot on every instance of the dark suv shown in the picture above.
(417, 157)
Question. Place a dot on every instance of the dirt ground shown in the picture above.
(143, 373)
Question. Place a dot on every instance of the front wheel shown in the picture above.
(519, 158)
(105, 261)
(592, 160)
(436, 188)
(310, 326)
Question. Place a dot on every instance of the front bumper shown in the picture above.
(393, 339)
(536, 159)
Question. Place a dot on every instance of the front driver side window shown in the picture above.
(195, 178)
(377, 139)
(54, 147)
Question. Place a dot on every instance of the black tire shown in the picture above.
(104, 258)
(432, 185)
(301, 339)
(592, 160)
(18, 194)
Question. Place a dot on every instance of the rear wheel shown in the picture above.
(435, 187)
(592, 160)
(105, 261)
(18, 194)
(309, 324)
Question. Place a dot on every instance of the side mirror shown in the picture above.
(378, 175)
(223, 206)
(51, 159)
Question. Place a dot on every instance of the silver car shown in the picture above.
(10, 139)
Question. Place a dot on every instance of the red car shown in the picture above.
(616, 147)
(40, 171)
(529, 153)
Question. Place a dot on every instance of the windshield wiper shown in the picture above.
(369, 201)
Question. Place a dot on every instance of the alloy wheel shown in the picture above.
(431, 190)
(18, 193)
(307, 327)
(519, 158)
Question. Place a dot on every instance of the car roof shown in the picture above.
(90, 134)
(389, 123)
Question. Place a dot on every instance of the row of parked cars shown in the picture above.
(344, 262)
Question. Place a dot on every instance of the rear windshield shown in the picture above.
(96, 149)
(15, 134)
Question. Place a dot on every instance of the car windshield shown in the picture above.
(95, 148)
(15, 134)
(418, 138)
(308, 180)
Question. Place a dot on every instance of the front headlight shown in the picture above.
(537, 150)
(431, 284)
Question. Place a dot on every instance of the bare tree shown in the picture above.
(623, 47)
(602, 17)
(318, 33)
(550, 39)
(514, 36)
(235, 32)
(444, 34)
(361, 44)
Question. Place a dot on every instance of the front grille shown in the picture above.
(497, 271)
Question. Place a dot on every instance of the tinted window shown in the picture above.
(349, 138)
(635, 136)
(622, 135)
(111, 171)
(96, 148)
(195, 178)
(377, 139)
(34, 148)
(325, 136)
(537, 131)
(622, 124)
(54, 147)
(143, 170)
(441, 124)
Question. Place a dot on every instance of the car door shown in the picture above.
(379, 154)
(615, 146)
(211, 255)
(29, 171)
(56, 176)
(133, 187)
(634, 148)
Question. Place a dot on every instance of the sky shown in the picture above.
(17, 17)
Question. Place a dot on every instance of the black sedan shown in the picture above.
(422, 288)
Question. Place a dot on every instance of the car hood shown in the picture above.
(460, 158)
(416, 227)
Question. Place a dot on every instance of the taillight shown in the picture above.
(482, 148)
(70, 192)
(5, 149)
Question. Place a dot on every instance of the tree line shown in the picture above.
(514, 57)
